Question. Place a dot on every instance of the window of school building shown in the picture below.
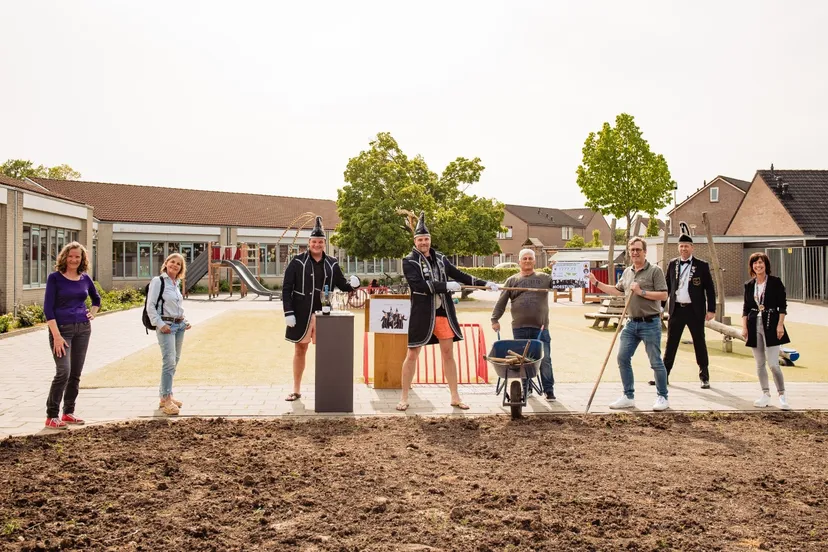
(41, 245)
(355, 265)
(132, 259)
(273, 258)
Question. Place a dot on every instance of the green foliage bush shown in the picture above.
(224, 286)
(6, 322)
(30, 315)
(118, 299)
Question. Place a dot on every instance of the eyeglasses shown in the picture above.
(635, 249)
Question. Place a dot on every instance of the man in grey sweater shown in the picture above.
(530, 313)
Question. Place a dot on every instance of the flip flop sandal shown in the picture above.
(402, 406)
(461, 405)
(293, 396)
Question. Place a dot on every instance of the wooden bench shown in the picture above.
(611, 309)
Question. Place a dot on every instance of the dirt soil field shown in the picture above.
(625, 482)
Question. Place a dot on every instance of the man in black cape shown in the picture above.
(433, 318)
(306, 276)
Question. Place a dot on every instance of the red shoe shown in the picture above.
(72, 419)
(55, 423)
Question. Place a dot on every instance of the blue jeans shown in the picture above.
(171, 344)
(547, 378)
(631, 336)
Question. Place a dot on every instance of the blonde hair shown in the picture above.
(180, 257)
(61, 266)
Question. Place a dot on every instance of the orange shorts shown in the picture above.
(310, 337)
(442, 330)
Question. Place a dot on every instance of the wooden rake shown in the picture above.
(606, 359)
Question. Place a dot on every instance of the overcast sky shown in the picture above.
(275, 97)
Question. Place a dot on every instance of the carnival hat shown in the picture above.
(685, 233)
(421, 229)
(318, 231)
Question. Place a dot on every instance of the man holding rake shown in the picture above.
(645, 288)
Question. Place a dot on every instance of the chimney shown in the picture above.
(771, 167)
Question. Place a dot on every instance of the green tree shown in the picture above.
(382, 181)
(652, 227)
(23, 168)
(619, 174)
(596, 239)
(62, 172)
(620, 237)
(576, 242)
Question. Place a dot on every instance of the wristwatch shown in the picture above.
(643, 293)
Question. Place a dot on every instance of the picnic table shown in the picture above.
(611, 308)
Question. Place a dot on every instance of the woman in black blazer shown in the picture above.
(763, 325)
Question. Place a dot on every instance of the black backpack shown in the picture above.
(144, 316)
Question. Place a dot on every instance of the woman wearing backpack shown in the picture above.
(69, 330)
(165, 308)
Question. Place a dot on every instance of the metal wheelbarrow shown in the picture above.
(514, 380)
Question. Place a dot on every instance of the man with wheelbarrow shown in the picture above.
(433, 319)
(645, 288)
(530, 313)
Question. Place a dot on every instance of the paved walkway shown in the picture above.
(28, 370)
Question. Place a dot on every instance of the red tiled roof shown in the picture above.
(23, 185)
(157, 205)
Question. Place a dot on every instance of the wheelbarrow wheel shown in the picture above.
(516, 396)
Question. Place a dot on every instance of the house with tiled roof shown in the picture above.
(784, 214)
(720, 198)
(592, 220)
(784, 203)
(540, 228)
(35, 224)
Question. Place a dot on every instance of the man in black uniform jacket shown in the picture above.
(692, 300)
(306, 276)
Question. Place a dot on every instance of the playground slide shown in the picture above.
(197, 269)
(250, 280)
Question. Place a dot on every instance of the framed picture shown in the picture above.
(570, 274)
(389, 315)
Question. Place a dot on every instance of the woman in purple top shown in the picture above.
(69, 329)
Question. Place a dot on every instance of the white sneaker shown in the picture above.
(661, 403)
(783, 403)
(623, 402)
(763, 401)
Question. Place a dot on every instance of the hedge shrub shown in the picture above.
(30, 315)
(6, 322)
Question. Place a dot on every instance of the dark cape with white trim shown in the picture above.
(298, 290)
(428, 282)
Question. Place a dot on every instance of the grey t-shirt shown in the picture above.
(530, 309)
(650, 278)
